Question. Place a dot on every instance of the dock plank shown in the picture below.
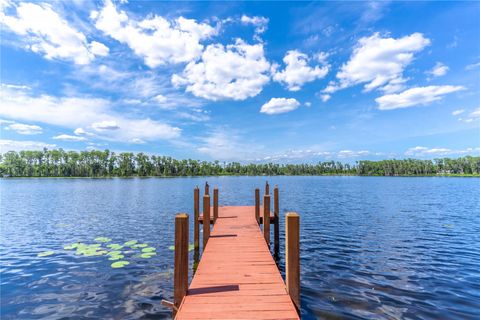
(237, 277)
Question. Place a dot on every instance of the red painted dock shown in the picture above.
(237, 277)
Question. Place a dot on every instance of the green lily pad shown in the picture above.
(148, 255)
(114, 253)
(45, 254)
(114, 246)
(117, 257)
(171, 248)
(71, 246)
(119, 264)
(142, 245)
(191, 246)
(103, 239)
(130, 243)
(148, 249)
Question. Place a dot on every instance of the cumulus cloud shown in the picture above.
(438, 70)
(25, 129)
(379, 63)
(155, 39)
(82, 112)
(472, 116)
(280, 105)
(458, 112)
(44, 31)
(237, 72)
(297, 71)
(19, 145)
(67, 137)
(260, 24)
(415, 96)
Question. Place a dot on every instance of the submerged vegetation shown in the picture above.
(96, 163)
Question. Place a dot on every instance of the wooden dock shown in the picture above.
(237, 277)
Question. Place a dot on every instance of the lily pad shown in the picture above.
(103, 239)
(142, 245)
(191, 246)
(71, 246)
(114, 253)
(148, 255)
(114, 246)
(171, 248)
(119, 264)
(45, 254)
(148, 249)
(117, 257)
(130, 243)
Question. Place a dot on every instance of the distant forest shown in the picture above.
(96, 163)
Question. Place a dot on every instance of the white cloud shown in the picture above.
(352, 154)
(438, 70)
(280, 105)
(458, 112)
(308, 104)
(236, 72)
(415, 96)
(260, 24)
(379, 62)
(297, 71)
(67, 137)
(325, 97)
(473, 116)
(45, 32)
(82, 112)
(472, 66)
(155, 39)
(18, 145)
(430, 152)
(105, 125)
(25, 129)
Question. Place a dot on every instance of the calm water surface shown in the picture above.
(371, 247)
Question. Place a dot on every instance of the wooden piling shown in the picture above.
(207, 188)
(196, 215)
(257, 205)
(215, 204)
(292, 256)
(266, 218)
(276, 231)
(206, 220)
(267, 188)
(180, 276)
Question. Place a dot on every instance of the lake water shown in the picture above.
(371, 247)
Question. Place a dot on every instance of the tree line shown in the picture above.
(96, 163)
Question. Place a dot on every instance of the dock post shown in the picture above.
(292, 256)
(266, 218)
(207, 188)
(206, 220)
(276, 232)
(196, 215)
(267, 188)
(180, 277)
(215, 205)
(257, 205)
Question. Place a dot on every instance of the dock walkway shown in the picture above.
(237, 277)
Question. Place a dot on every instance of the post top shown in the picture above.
(292, 215)
(181, 216)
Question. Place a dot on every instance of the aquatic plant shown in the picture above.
(45, 254)
(119, 264)
(113, 251)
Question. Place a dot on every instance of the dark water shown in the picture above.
(382, 248)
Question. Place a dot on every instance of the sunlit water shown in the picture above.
(371, 247)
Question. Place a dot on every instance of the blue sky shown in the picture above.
(244, 81)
